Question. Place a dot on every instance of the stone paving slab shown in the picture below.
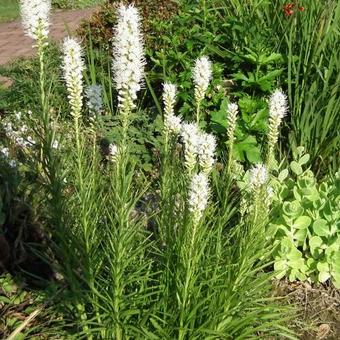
(14, 43)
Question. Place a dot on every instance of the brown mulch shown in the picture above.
(318, 307)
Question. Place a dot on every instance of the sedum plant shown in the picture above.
(306, 224)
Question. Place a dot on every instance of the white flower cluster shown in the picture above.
(73, 66)
(94, 98)
(258, 176)
(172, 123)
(202, 73)
(231, 119)
(35, 17)
(277, 111)
(198, 195)
(128, 56)
(198, 144)
(206, 151)
(17, 132)
(190, 136)
(278, 105)
(4, 154)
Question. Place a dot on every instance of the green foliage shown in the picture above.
(9, 10)
(70, 4)
(24, 92)
(305, 224)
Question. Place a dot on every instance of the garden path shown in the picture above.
(14, 43)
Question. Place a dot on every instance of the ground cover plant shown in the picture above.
(161, 204)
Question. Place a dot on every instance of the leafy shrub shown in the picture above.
(99, 28)
(306, 224)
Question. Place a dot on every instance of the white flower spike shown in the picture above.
(202, 73)
(35, 17)
(73, 66)
(198, 195)
(277, 111)
(258, 176)
(128, 57)
(172, 123)
(191, 139)
(206, 152)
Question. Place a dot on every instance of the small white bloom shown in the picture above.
(30, 141)
(94, 98)
(198, 195)
(202, 73)
(128, 56)
(258, 176)
(12, 163)
(5, 152)
(55, 145)
(113, 152)
(206, 151)
(73, 66)
(18, 115)
(190, 135)
(231, 118)
(278, 105)
(35, 17)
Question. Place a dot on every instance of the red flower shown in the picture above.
(288, 9)
(301, 9)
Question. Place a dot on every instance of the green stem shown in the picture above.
(198, 112)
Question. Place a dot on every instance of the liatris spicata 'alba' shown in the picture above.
(128, 57)
(198, 196)
(258, 176)
(113, 152)
(277, 111)
(202, 73)
(258, 206)
(231, 119)
(35, 18)
(190, 136)
(73, 66)
(206, 151)
(172, 123)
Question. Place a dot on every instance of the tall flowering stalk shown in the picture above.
(202, 74)
(35, 16)
(172, 123)
(258, 192)
(128, 60)
(73, 67)
(231, 119)
(277, 111)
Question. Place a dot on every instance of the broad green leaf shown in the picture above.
(315, 243)
(304, 159)
(296, 168)
(336, 280)
(321, 228)
(322, 266)
(283, 175)
(302, 222)
(300, 236)
(323, 276)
